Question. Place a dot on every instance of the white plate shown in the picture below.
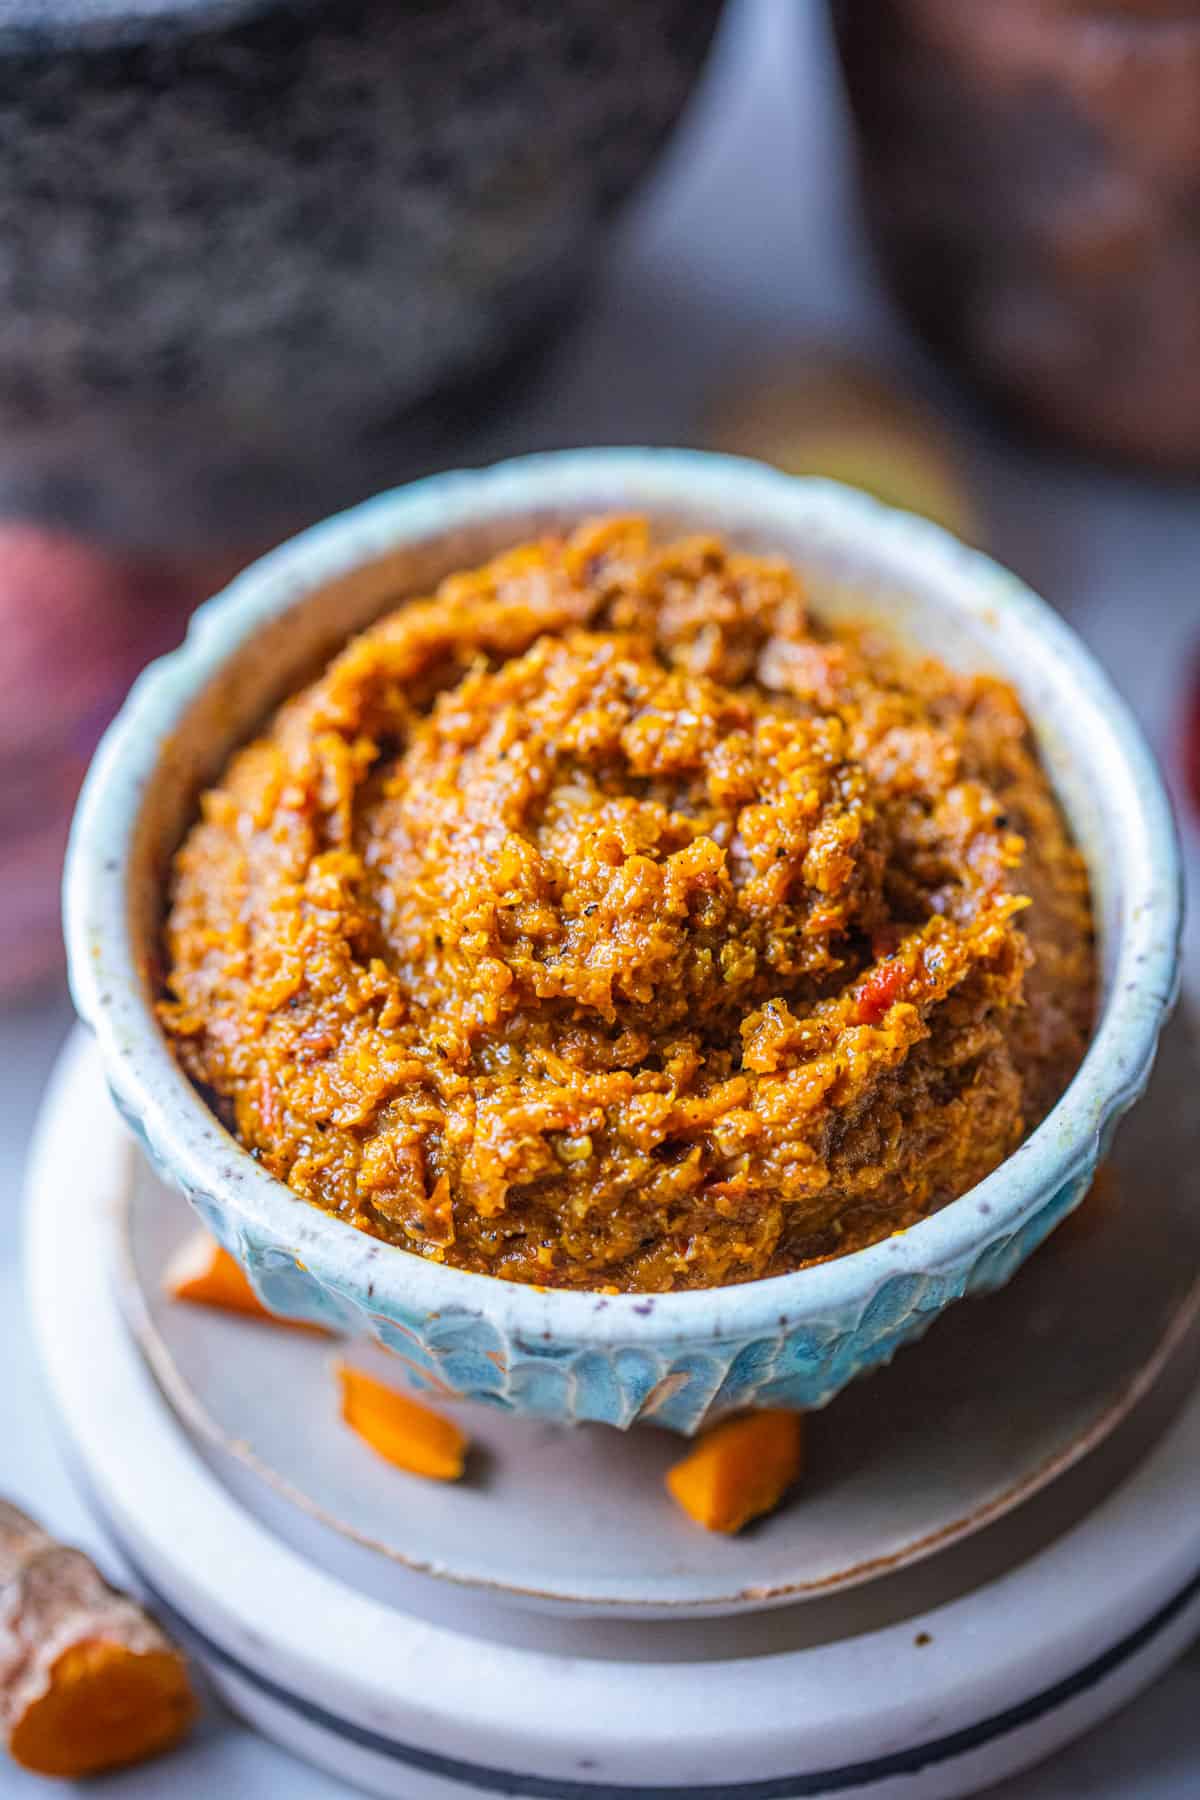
(1003, 1394)
(919, 1686)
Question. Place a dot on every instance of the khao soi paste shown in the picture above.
(609, 921)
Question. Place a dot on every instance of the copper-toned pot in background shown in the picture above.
(1031, 176)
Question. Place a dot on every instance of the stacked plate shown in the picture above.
(991, 1548)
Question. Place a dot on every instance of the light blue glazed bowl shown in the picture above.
(679, 1359)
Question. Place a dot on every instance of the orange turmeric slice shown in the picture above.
(402, 1431)
(103, 1706)
(88, 1681)
(203, 1273)
(739, 1469)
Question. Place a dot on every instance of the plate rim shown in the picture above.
(600, 1602)
(184, 1400)
(651, 1710)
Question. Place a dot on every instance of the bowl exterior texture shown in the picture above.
(471, 1355)
(679, 1360)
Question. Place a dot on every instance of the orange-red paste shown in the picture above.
(608, 921)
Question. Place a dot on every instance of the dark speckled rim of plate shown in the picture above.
(795, 1339)
(809, 1784)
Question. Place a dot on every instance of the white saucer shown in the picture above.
(1003, 1395)
(925, 1684)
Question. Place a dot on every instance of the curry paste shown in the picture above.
(608, 921)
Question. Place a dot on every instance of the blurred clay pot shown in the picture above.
(1030, 174)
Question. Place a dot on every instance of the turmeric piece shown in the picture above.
(739, 1469)
(402, 1431)
(1093, 1212)
(88, 1681)
(203, 1273)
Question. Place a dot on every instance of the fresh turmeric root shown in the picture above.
(739, 1469)
(203, 1273)
(401, 1430)
(87, 1681)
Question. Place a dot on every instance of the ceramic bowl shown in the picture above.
(678, 1359)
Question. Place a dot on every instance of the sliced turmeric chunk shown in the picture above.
(203, 1273)
(102, 1707)
(402, 1431)
(739, 1469)
(88, 1681)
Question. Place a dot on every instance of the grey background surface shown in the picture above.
(745, 240)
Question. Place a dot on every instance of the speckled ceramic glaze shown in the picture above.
(247, 242)
(681, 1358)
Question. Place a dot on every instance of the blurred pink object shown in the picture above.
(77, 622)
(1191, 738)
